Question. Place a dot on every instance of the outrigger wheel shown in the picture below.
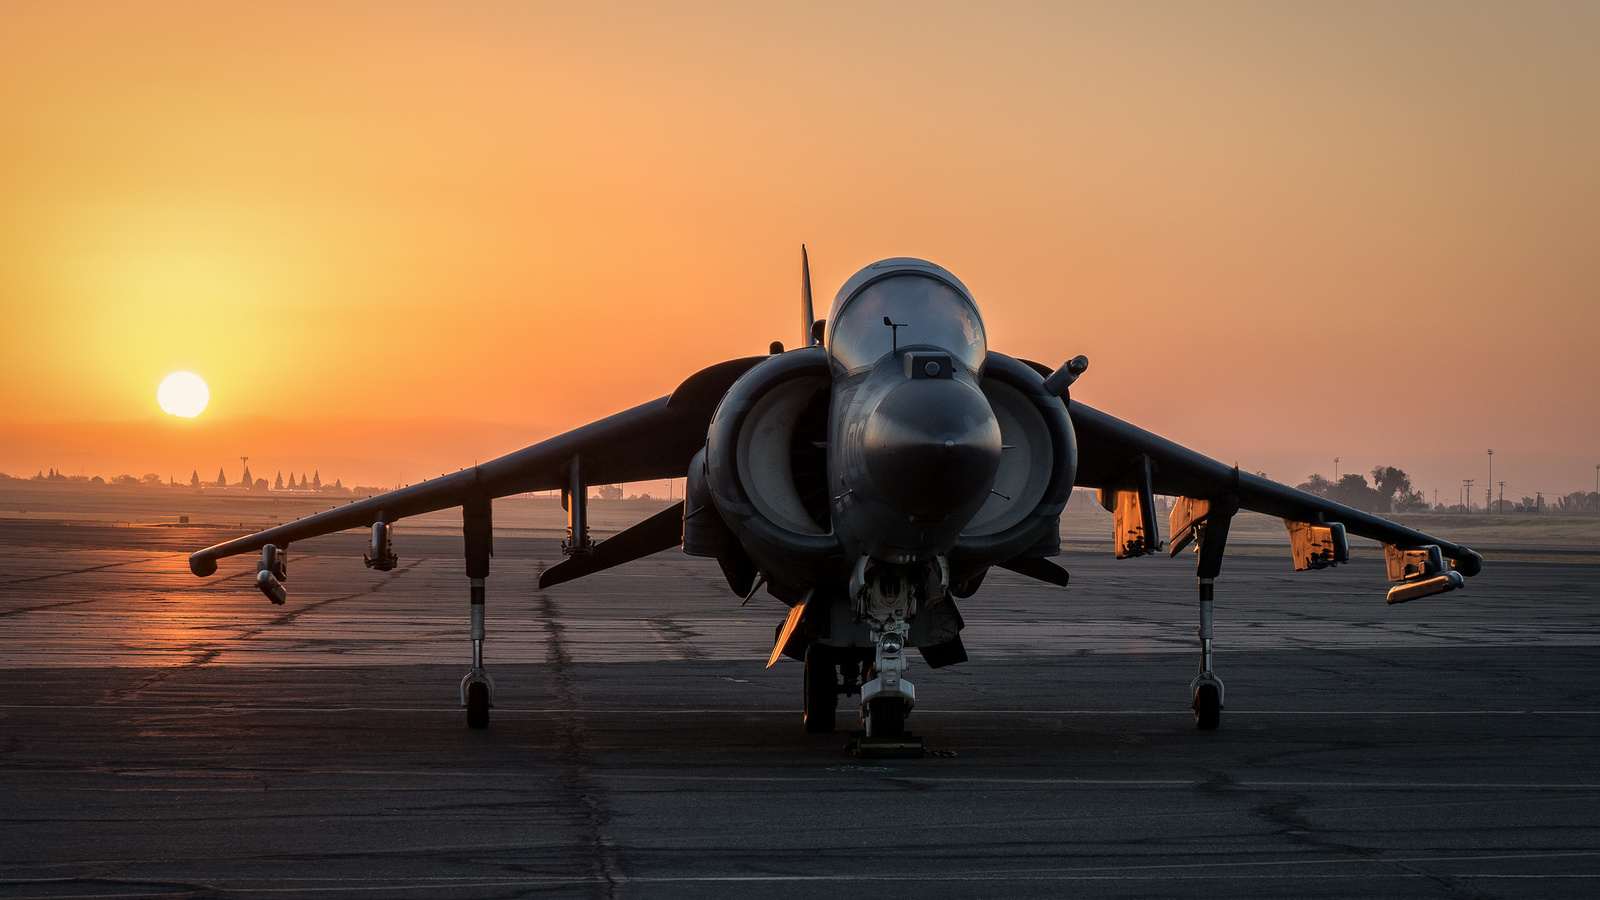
(821, 688)
(477, 705)
(1207, 707)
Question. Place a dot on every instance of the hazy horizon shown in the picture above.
(1280, 233)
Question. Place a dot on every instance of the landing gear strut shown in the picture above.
(1206, 523)
(887, 597)
(477, 688)
(887, 698)
(1207, 687)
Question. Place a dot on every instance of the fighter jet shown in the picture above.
(869, 479)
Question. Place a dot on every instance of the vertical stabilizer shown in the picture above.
(807, 315)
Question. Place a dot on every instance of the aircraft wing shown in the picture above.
(1112, 453)
(650, 441)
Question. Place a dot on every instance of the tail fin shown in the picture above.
(808, 317)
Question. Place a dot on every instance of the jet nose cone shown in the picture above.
(932, 447)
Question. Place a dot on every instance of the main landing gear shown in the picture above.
(831, 672)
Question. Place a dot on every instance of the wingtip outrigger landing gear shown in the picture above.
(477, 688)
(1207, 687)
(1205, 522)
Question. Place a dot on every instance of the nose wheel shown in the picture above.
(886, 718)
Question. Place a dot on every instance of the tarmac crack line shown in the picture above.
(126, 562)
(577, 766)
(44, 606)
(204, 655)
(1283, 810)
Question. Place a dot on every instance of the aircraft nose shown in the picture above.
(932, 447)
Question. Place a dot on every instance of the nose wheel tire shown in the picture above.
(886, 718)
(477, 705)
(821, 700)
(1207, 707)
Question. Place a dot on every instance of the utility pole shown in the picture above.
(1501, 506)
(1436, 495)
(1469, 483)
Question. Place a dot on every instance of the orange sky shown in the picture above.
(1281, 232)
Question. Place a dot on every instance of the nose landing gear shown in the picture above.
(886, 597)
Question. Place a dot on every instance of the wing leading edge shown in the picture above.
(650, 441)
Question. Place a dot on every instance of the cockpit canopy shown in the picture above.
(928, 307)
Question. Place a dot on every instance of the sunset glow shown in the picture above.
(1280, 232)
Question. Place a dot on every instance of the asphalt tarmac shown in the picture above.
(164, 735)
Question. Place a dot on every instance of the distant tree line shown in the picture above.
(312, 482)
(1390, 491)
(1577, 503)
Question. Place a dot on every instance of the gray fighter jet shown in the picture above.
(869, 481)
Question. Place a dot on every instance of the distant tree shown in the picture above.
(151, 479)
(338, 485)
(222, 478)
(1391, 485)
(609, 492)
(277, 483)
(1318, 485)
(97, 480)
(194, 478)
(260, 485)
(39, 477)
(245, 479)
(302, 481)
(1579, 503)
(1412, 502)
(124, 479)
(57, 476)
(316, 480)
(1354, 492)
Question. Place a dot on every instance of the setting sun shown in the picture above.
(183, 394)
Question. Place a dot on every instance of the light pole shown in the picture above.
(1488, 486)
(1336, 471)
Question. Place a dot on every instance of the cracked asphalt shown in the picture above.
(163, 735)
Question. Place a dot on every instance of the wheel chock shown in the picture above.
(906, 746)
